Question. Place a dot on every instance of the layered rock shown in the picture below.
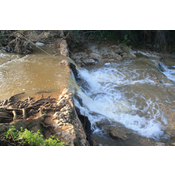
(51, 116)
(67, 124)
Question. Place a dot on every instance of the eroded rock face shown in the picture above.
(51, 116)
(68, 126)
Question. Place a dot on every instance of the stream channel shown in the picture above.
(115, 94)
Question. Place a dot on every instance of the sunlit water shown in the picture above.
(118, 92)
(126, 93)
(33, 73)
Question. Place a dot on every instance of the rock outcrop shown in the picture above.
(51, 116)
(94, 52)
(64, 48)
(68, 126)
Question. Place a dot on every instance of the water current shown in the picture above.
(125, 93)
(32, 74)
(115, 92)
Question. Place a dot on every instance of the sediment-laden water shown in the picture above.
(125, 93)
(115, 92)
(33, 73)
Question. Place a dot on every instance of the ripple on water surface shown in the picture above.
(31, 73)
(125, 93)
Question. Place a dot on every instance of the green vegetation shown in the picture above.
(26, 137)
(158, 40)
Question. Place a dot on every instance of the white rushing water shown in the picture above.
(169, 73)
(120, 93)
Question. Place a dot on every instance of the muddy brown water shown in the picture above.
(127, 93)
(122, 92)
(35, 73)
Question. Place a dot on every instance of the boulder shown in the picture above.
(117, 49)
(88, 61)
(95, 56)
(79, 55)
(118, 57)
(128, 55)
(160, 144)
(117, 133)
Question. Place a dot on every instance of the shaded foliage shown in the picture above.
(158, 40)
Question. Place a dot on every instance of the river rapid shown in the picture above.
(115, 94)
(126, 93)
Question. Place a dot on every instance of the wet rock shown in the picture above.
(83, 83)
(64, 63)
(95, 56)
(117, 133)
(79, 56)
(99, 52)
(71, 130)
(128, 55)
(107, 52)
(170, 67)
(117, 49)
(39, 44)
(158, 65)
(79, 99)
(87, 127)
(88, 61)
(160, 144)
(74, 70)
(5, 117)
(161, 67)
(71, 66)
(64, 48)
(118, 57)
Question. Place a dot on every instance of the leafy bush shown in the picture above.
(11, 133)
(28, 137)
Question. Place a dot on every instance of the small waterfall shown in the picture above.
(116, 93)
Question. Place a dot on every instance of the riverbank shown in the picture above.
(93, 57)
(50, 112)
(60, 113)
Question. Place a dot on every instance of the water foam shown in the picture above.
(105, 99)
